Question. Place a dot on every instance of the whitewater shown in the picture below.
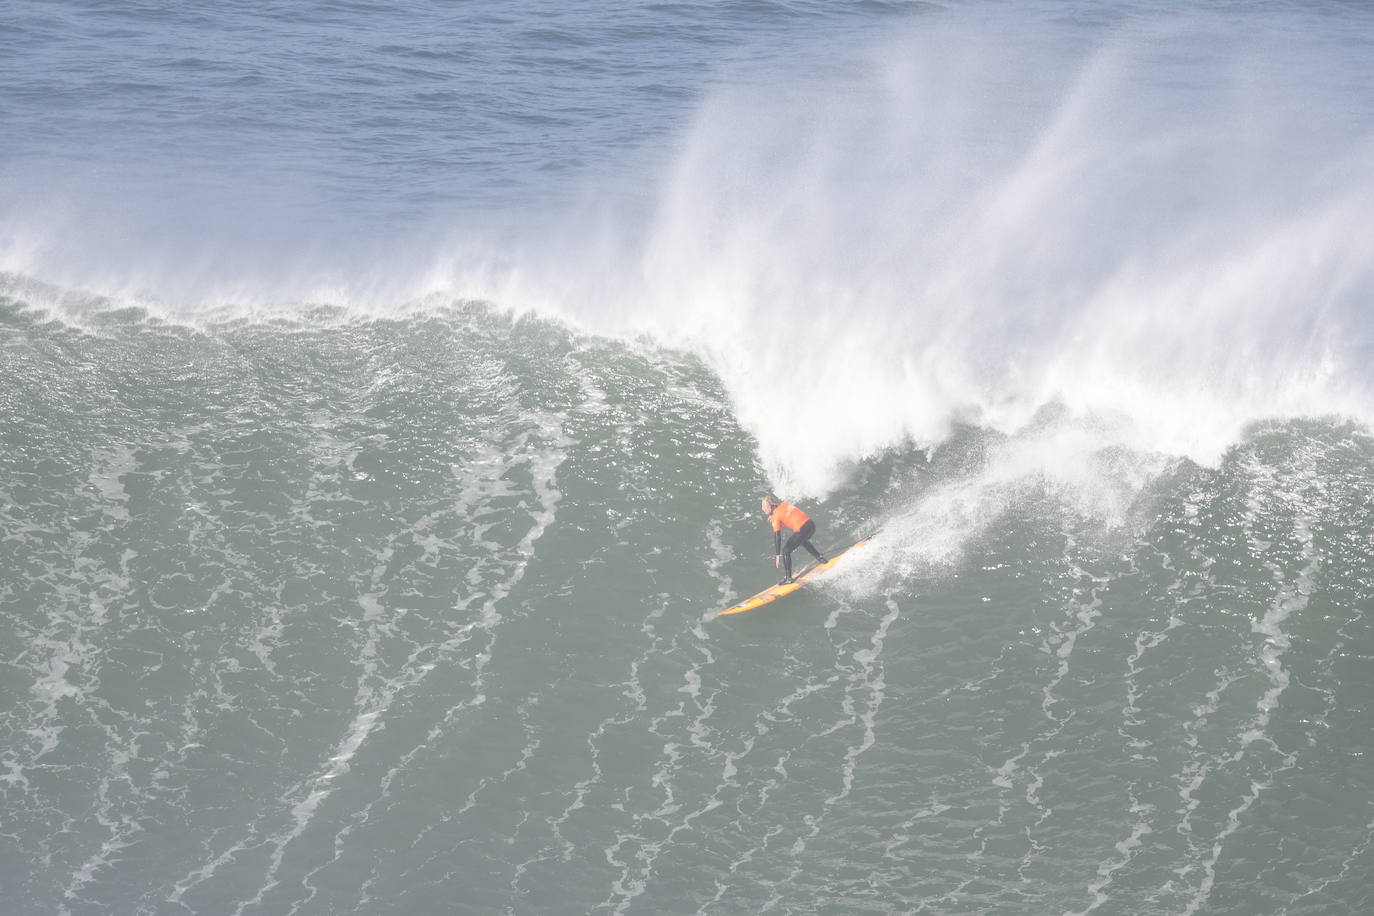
(387, 393)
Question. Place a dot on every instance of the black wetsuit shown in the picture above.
(800, 538)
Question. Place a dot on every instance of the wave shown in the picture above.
(313, 548)
(1148, 232)
(1164, 230)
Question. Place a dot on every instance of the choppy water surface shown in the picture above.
(386, 396)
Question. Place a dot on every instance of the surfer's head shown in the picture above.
(769, 504)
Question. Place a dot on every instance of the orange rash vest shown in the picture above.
(789, 515)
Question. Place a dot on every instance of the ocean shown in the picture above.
(387, 392)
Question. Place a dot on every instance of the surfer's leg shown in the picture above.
(787, 549)
(805, 535)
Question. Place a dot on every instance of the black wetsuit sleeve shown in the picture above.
(777, 542)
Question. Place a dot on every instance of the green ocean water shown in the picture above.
(387, 392)
(417, 614)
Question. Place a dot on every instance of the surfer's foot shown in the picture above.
(787, 580)
(822, 560)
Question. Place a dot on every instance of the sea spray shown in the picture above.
(1133, 244)
(1167, 227)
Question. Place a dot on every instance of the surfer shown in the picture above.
(779, 514)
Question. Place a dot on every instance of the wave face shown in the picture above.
(338, 615)
(385, 399)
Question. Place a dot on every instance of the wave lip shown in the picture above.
(1148, 227)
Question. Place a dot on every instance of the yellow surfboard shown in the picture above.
(774, 592)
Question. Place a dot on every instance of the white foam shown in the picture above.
(944, 239)
(1170, 223)
(1063, 459)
